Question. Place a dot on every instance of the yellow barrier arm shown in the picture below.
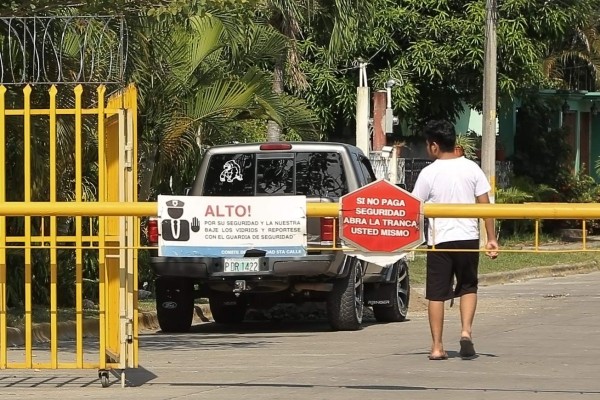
(142, 209)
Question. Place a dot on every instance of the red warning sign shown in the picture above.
(381, 217)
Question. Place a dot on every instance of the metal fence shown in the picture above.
(408, 170)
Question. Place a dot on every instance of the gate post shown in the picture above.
(121, 232)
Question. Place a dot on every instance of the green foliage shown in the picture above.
(512, 195)
(597, 166)
(40, 282)
(199, 78)
(157, 8)
(541, 152)
(542, 156)
(541, 160)
(468, 144)
(534, 192)
(523, 190)
(579, 188)
(434, 49)
(574, 60)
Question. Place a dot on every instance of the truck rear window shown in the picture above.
(313, 174)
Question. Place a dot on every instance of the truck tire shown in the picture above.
(398, 293)
(345, 303)
(227, 309)
(174, 304)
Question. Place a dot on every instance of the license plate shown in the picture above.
(240, 265)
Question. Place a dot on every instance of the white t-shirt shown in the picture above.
(457, 180)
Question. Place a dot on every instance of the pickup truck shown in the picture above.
(321, 171)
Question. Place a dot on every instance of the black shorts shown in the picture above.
(444, 266)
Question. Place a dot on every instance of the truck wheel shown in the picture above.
(227, 309)
(345, 302)
(398, 294)
(174, 304)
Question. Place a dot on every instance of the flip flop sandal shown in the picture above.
(467, 349)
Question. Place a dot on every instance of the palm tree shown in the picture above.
(287, 17)
(575, 63)
(197, 81)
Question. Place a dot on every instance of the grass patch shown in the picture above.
(528, 239)
(509, 262)
(146, 305)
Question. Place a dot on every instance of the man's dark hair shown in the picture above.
(441, 132)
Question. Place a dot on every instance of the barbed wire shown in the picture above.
(62, 49)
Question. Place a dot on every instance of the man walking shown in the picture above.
(452, 179)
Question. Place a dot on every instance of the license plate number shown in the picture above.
(240, 265)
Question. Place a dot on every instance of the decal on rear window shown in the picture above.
(231, 172)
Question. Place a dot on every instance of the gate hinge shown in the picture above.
(129, 327)
(128, 155)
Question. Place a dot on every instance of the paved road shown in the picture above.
(536, 340)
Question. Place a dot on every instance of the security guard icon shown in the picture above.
(174, 228)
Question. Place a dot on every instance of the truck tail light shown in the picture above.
(327, 229)
(276, 146)
(153, 231)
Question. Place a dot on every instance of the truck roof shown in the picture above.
(295, 146)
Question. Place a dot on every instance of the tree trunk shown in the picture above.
(273, 128)
(147, 172)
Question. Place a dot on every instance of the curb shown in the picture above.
(149, 321)
(40, 333)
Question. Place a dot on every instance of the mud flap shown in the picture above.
(375, 296)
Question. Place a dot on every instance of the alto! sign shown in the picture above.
(381, 217)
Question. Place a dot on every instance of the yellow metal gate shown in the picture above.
(67, 278)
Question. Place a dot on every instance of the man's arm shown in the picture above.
(492, 244)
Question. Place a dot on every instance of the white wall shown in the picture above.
(471, 120)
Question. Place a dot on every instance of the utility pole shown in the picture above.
(488, 142)
(363, 111)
